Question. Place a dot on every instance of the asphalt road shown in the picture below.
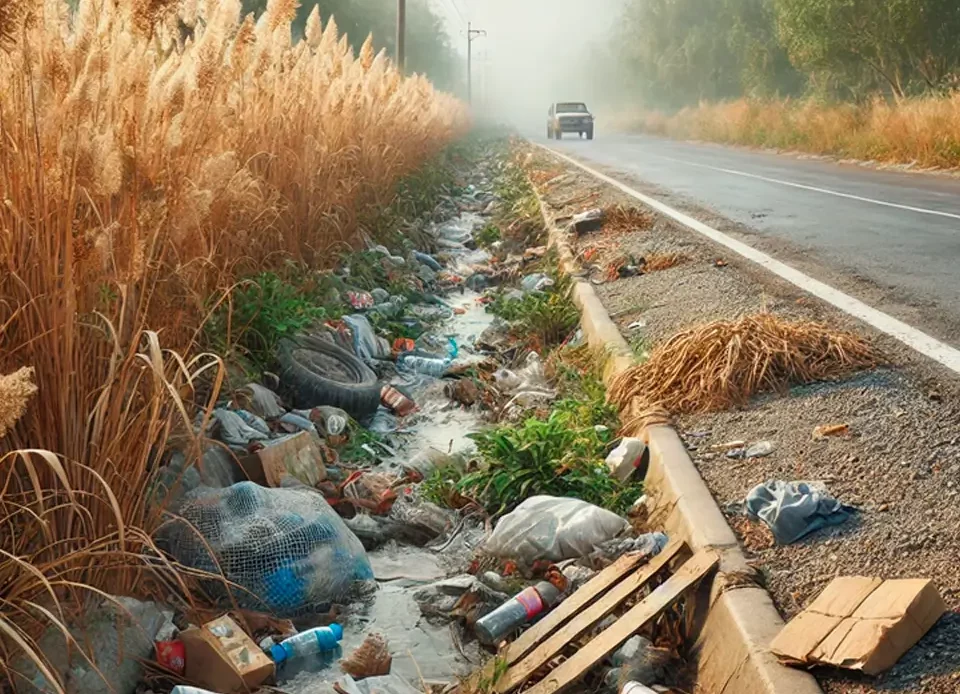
(895, 230)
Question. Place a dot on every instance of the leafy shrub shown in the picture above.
(544, 318)
(555, 456)
(261, 312)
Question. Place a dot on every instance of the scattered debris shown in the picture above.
(588, 221)
(826, 431)
(464, 391)
(515, 612)
(861, 623)
(298, 456)
(625, 460)
(529, 655)
(221, 656)
(793, 510)
(371, 659)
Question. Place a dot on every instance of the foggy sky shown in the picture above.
(536, 52)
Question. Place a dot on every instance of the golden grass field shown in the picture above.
(152, 153)
(924, 131)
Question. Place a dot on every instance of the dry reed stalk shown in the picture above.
(140, 173)
(723, 364)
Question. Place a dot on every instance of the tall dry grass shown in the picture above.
(925, 131)
(152, 152)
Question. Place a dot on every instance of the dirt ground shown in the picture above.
(899, 464)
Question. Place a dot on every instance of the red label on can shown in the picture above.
(531, 601)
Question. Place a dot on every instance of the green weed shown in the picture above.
(544, 319)
(262, 311)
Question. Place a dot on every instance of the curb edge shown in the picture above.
(733, 655)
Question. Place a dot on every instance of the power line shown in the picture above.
(456, 8)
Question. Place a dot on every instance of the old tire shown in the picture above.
(317, 372)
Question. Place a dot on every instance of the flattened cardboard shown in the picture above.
(221, 657)
(298, 455)
(861, 623)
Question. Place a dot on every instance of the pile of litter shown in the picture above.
(723, 364)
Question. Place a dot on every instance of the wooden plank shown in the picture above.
(629, 624)
(572, 605)
(546, 651)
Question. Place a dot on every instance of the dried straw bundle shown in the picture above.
(723, 364)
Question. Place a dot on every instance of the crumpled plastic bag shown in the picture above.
(793, 510)
(389, 684)
(366, 343)
(234, 431)
(554, 528)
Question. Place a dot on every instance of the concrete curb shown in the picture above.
(732, 648)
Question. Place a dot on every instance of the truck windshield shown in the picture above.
(571, 108)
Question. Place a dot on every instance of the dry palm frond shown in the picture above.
(622, 220)
(723, 364)
(638, 416)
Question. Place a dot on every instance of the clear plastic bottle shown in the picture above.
(184, 689)
(310, 642)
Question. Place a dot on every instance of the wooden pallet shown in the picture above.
(601, 596)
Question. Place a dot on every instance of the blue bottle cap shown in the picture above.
(278, 653)
(337, 631)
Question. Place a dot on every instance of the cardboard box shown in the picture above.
(221, 657)
(861, 623)
(297, 455)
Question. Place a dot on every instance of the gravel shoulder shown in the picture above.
(900, 463)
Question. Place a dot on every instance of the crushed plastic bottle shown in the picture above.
(430, 366)
(310, 642)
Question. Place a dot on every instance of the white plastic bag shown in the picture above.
(553, 528)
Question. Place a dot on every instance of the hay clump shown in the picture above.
(723, 364)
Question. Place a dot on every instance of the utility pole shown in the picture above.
(401, 34)
(471, 35)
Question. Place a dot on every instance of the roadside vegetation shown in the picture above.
(873, 81)
(167, 176)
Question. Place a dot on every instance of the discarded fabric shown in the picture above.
(793, 510)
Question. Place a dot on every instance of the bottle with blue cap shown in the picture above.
(316, 640)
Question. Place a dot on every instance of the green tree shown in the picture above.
(864, 45)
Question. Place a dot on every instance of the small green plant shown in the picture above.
(262, 311)
(487, 236)
(543, 318)
(559, 456)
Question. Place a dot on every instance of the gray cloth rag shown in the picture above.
(794, 509)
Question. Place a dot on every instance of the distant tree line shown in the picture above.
(429, 50)
(676, 52)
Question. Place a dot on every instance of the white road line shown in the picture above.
(908, 335)
(825, 191)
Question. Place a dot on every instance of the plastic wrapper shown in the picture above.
(554, 528)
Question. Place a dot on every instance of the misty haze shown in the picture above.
(479, 346)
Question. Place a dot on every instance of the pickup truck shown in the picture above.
(569, 117)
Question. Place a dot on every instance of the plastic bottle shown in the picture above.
(184, 689)
(636, 688)
(306, 643)
(431, 366)
(515, 612)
